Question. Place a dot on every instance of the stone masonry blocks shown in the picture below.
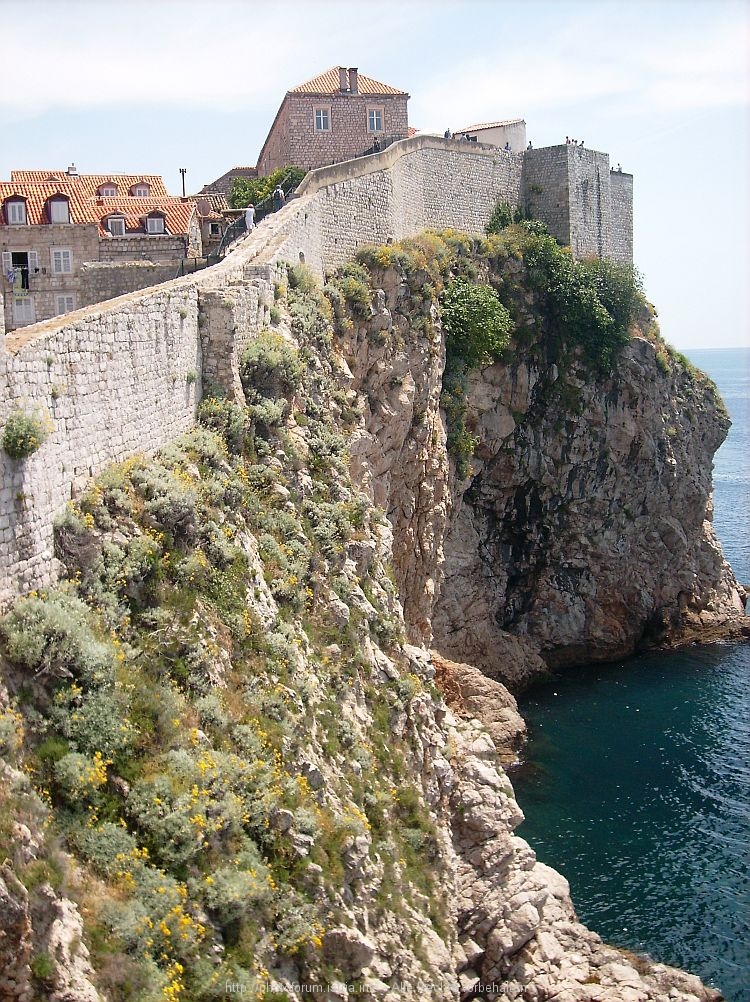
(115, 379)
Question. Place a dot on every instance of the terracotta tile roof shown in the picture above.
(176, 212)
(490, 125)
(90, 183)
(36, 196)
(329, 83)
(87, 208)
(210, 203)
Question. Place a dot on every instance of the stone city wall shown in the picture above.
(116, 379)
(151, 248)
(108, 383)
(584, 204)
(621, 189)
(102, 280)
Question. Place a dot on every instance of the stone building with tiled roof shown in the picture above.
(509, 130)
(337, 115)
(68, 240)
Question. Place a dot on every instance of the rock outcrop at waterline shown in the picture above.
(231, 757)
(586, 528)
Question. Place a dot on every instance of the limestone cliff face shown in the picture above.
(586, 527)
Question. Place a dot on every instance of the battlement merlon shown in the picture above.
(584, 203)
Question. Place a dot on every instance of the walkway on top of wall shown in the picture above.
(260, 247)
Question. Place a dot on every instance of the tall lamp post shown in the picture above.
(183, 171)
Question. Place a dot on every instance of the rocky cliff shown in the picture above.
(586, 529)
(233, 764)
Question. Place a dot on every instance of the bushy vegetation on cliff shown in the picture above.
(214, 711)
(191, 703)
(515, 289)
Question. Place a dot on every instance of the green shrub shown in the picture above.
(170, 499)
(24, 434)
(79, 777)
(301, 278)
(271, 368)
(53, 637)
(275, 315)
(477, 326)
(353, 283)
(43, 966)
(256, 189)
(504, 215)
(619, 288)
(589, 303)
(226, 419)
(230, 893)
(96, 722)
(11, 732)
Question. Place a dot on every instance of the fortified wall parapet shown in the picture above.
(584, 203)
(126, 376)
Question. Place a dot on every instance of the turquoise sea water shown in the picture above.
(637, 783)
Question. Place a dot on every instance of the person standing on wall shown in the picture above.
(279, 198)
(249, 216)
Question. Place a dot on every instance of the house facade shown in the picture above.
(68, 240)
(335, 116)
(510, 132)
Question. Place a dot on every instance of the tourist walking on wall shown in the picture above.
(279, 198)
(249, 216)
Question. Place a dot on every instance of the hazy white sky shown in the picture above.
(662, 85)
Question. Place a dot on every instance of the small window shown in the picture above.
(374, 120)
(322, 119)
(116, 226)
(16, 213)
(23, 310)
(62, 261)
(59, 211)
(140, 190)
(155, 224)
(65, 304)
(108, 190)
(213, 229)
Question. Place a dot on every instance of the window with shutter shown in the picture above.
(7, 262)
(16, 213)
(33, 261)
(65, 304)
(58, 210)
(23, 310)
(61, 260)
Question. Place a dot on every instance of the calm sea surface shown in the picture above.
(637, 786)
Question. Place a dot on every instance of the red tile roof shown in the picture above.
(90, 183)
(329, 83)
(86, 207)
(176, 212)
